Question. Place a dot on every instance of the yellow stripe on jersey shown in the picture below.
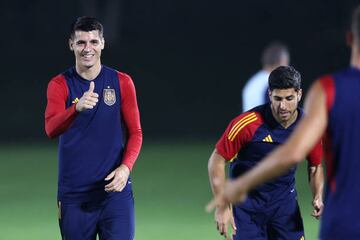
(270, 139)
(233, 158)
(238, 124)
(244, 124)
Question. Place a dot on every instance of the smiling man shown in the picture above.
(89, 106)
(271, 211)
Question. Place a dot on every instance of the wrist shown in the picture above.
(317, 198)
(223, 205)
(125, 168)
(77, 109)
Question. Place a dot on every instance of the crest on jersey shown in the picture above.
(109, 96)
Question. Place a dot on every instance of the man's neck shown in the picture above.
(89, 73)
(287, 123)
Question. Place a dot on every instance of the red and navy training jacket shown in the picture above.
(250, 137)
(92, 143)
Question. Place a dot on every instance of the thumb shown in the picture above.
(110, 176)
(92, 86)
(211, 205)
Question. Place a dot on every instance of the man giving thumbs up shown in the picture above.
(88, 106)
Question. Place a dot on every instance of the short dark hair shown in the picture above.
(273, 53)
(86, 24)
(284, 77)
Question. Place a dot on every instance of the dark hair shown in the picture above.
(86, 24)
(284, 77)
(355, 25)
(273, 53)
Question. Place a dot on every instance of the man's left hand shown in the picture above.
(119, 179)
(318, 207)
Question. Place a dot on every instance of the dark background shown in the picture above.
(189, 59)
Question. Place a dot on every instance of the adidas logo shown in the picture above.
(268, 139)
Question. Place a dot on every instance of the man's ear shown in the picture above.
(269, 93)
(103, 44)
(71, 43)
(299, 94)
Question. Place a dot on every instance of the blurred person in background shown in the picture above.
(255, 91)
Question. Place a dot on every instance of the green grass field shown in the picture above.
(170, 185)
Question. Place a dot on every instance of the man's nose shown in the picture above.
(87, 47)
(282, 105)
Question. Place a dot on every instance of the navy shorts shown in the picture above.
(110, 219)
(276, 222)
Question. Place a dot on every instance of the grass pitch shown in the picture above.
(170, 185)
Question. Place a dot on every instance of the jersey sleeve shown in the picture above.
(238, 133)
(57, 118)
(316, 154)
(327, 83)
(131, 117)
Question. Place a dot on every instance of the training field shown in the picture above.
(170, 185)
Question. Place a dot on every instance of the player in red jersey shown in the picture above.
(271, 211)
(332, 108)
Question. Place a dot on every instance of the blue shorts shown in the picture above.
(276, 222)
(111, 219)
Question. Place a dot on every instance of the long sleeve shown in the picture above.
(131, 117)
(57, 118)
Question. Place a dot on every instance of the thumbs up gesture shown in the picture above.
(88, 99)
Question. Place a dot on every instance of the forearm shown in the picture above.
(57, 123)
(131, 117)
(58, 118)
(216, 169)
(316, 181)
(133, 147)
(277, 163)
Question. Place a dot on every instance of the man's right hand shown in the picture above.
(224, 217)
(88, 100)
